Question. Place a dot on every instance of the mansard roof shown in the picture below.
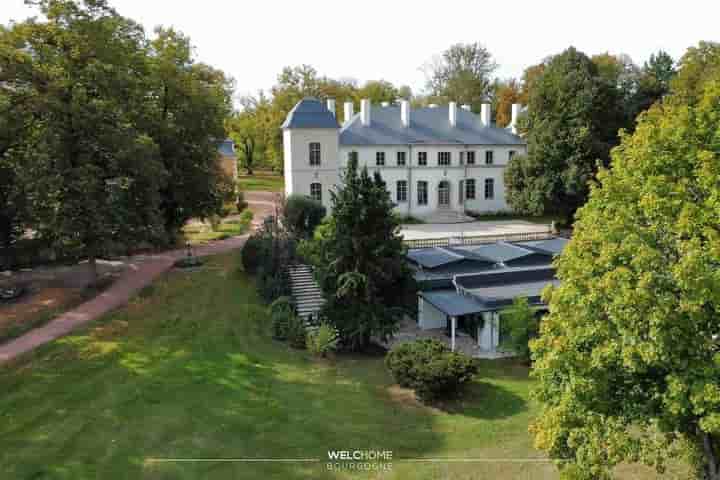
(429, 125)
(310, 113)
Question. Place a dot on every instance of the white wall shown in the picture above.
(433, 174)
(429, 316)
(296, 145)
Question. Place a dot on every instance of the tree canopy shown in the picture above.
(571, 125)
(628, 361)
(462, 74)
(109, 136)
(359, 260)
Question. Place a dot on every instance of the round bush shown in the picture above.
(302, 214)
(253, 251)
(430, 368)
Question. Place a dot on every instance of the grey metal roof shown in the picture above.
(427, 126)
(226, 148)
(501, 252)
(433, 257)
(554, 246)
(453, 304)
(310, 113)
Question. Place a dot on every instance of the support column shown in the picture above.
(453, 322)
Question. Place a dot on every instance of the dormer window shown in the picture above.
(314, 153)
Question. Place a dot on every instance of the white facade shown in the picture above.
(422, 176)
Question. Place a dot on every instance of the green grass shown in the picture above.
(202, 233)
(188, 370)
(263, 181)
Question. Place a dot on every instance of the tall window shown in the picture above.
(353, 156)
(422, 158)
(422, 193)
(489, 188)
(401, 191)
(470, 189)
(511, 155)
(401, 159)
(443, 158)
(316, 192)
(470, 157)
(314, 153)
(380, 159)
(489, 157)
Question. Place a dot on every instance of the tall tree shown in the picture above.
(571, 126)
(190, 104)
(653, 83)
(95, 172)
(696, 67)
(627, 361)
(359, 259)
(19, 110)
(378, 91)
(462, 74)
(506, 94)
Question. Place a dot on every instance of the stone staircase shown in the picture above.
(306, 293)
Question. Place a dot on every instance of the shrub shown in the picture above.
(253, 251)
(322, 340)
(281, 313)
(296, 332)
(246, 217)
(520, 325)
(430, 368)
(215, 221)
(301, 214)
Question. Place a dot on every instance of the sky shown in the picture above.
(252, 40)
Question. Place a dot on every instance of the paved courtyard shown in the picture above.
(498, 227)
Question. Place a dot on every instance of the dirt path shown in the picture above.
(141, 271)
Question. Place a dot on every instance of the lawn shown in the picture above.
(202, 232)
(264, 181)
(188, 370)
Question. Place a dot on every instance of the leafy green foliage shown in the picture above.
(302, 214)
(430, 368)
(267, 253)
(359, 260)
(461, 74)
(322, 340)
(572, 123)
(627, 359)
(280, 314)
(521, 325)
(296, 332)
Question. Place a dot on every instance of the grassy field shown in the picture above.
(264, 181)
(188, 370)
(198, 233)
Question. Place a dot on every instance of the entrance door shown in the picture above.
(444, 194)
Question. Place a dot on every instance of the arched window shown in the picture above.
(316, 192)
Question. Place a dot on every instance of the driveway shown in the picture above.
(500, 227)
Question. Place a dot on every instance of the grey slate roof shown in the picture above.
(310, 113)
(427, 126)
(226, 148)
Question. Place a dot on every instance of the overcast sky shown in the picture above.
(367, 40)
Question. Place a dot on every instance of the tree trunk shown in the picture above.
(711, 467)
